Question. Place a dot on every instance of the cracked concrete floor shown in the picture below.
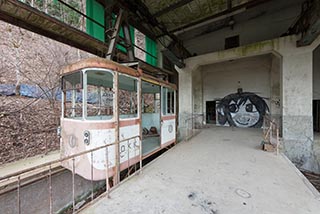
(221, 171)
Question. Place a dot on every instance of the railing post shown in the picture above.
(92, 185)
(50, 190)
(278, 141)
(128, 157)
(73, 189)
(107, 172)
(18, 192)
(140, 149)
(135, 154)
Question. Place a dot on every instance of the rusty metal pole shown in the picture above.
(117, 127)
(107, 172)
(73, 189)
(115, 35)
(50, 190)
(92, 187)
(128, 158)
(278, 141)
(140, 124)
(18, 192)
(135, 154)
(140, 161)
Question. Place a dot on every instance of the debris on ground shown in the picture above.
(313, 178)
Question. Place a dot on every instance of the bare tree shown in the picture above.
(29, 124)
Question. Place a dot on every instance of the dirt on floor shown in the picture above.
(28, 127)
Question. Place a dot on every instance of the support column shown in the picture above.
(197, 92)
(185, 99)
(297, 108)
(275, 89)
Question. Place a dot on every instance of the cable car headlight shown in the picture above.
(86, 137)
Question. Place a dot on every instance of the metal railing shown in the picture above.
(271, 132)
(48, 167)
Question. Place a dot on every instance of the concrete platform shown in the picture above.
(10, 168)
(220, 171)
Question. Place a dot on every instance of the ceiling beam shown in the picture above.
(309, 23)
(172, 7)
(138, 8)
(247, 5)
(112, 6)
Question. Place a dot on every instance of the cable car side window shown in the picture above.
(168, 101)
(72, 88)
(100, 95)
(128, 97)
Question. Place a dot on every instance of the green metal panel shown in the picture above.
(132, 34)
(95, 11)
(151, 48)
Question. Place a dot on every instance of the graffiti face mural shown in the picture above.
(242, 109)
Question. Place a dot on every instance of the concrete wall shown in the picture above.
(296, 89)
(268, 21)
(185, 99)
(316, 74)
(252, 74)
(222, 79)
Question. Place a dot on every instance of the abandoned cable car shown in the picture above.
(106, 103)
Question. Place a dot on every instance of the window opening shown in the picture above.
(168, 98)
(100, 95)
(232, 42)
(128, 97)
(72, 89)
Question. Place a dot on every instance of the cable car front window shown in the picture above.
(72, 89)
(99, 95)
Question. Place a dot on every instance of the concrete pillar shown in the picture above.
(297, 107)
(185, 98)
(275, 104)
(197, 97)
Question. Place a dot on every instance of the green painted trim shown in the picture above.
(151, 48)
(95, 11)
